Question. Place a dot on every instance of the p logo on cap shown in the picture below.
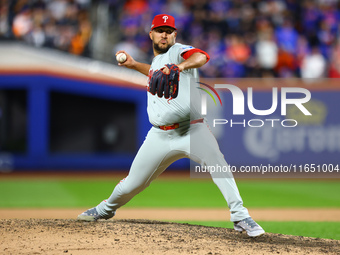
(162, 20)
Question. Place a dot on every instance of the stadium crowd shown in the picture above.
(248, 38)
(245, 38)
(60, 24)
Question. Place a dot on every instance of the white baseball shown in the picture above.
(121, 57)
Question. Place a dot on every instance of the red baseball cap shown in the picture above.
(163, 20)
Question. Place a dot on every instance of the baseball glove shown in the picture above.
(165, 84)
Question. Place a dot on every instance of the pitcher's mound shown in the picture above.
(128, 237)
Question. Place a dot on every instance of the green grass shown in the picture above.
(329, 230)
(191, 193)
(169, 193)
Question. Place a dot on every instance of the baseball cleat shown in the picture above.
(250, 226)
(92, 215)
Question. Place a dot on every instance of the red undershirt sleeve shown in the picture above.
(188, 53)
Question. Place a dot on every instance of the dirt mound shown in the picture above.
(45, 236)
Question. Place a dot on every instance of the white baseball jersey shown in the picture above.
(163, 111)
(163, 147)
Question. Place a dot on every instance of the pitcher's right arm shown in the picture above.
(133, 64)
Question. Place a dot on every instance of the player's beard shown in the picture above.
(161, 50)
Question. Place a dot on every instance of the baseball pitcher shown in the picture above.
(175, 121)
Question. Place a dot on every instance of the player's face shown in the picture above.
(163, 38)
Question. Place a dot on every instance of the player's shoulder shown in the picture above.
(181, 47)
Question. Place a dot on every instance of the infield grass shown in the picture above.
(191, 193)
(186, 193)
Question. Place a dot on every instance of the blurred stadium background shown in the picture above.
(65, 104)
(245, 38)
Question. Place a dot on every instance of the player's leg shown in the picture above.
(154, 156)
(204, 150)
